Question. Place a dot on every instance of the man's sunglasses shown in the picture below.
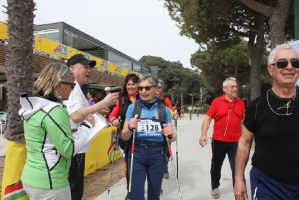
(283, 63)
(147, 88)
(68, 83)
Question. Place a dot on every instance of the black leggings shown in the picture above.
(76, 176)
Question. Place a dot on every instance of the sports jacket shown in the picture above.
(49, 142)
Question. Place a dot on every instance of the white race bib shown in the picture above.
(150, 128)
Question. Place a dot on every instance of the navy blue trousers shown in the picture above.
(264, 187)
(148, 162)
(219, 151)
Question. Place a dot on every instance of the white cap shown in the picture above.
(107, 88)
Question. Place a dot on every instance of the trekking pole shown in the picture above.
(132, 157)
(113, 145)
(111, 170)
(173, 167)
(176, 142)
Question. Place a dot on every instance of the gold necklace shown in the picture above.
(287, 105)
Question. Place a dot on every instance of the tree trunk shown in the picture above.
(255, 79)
(277, 22)
(277, 17)
(256, 50)
(19, 62)
(19, 70)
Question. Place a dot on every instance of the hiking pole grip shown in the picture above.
(132, 158)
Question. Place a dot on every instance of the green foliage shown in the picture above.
(216, 65)
(210, 21)
(177, 79)
(244, 92)
(223, 24)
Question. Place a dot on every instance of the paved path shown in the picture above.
(194, 168)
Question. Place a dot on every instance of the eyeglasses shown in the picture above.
(68, 83)
(283, 63)
(147, 88)
(159, 87)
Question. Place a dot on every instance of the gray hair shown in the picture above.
(227, 79)
(161, 82)
(150, 79)
(279, 47)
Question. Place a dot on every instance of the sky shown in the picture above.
(135, 27)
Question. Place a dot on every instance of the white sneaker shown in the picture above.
(215, 193)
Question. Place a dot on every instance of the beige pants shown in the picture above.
(41, 194)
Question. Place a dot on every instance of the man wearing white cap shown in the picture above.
(78, 108)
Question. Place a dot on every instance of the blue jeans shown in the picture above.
(219, 151)
(149, 162)
(264, 187)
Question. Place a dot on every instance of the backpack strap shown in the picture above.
(137, 109)
(162, 119)
(161, 111)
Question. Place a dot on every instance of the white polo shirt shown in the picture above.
(76, 101)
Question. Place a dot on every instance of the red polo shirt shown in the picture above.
(227, 118)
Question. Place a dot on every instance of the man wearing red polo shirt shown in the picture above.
(228, 113)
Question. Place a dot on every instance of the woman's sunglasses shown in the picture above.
(283, 63)
(147, 88)
(68, 83)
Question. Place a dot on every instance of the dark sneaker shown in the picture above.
(166, 173)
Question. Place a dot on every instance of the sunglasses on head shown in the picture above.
(68, 83)
(147, 88)
(283, 63)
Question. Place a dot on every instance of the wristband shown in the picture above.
(130, 128)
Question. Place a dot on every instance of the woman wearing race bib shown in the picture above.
(150, 141)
